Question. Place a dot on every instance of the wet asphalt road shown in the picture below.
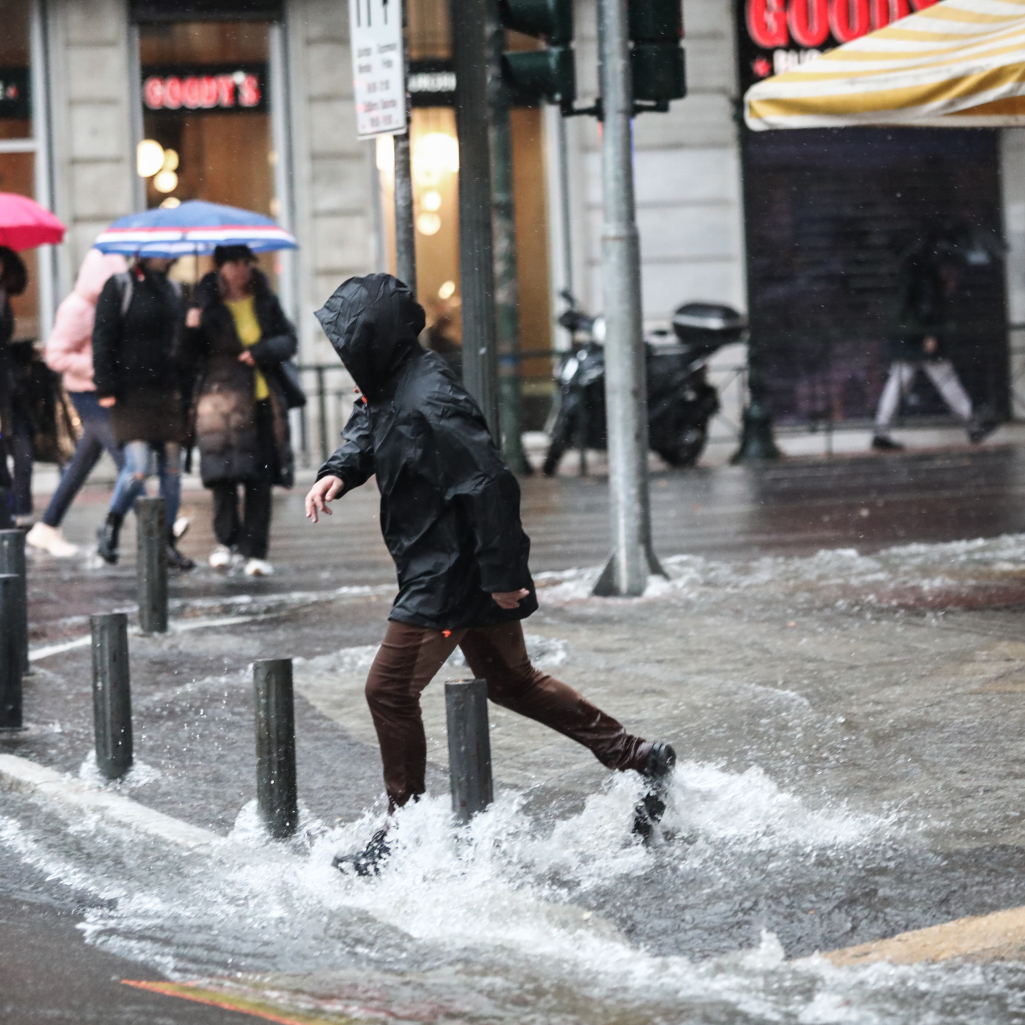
(793, 508)
(789, 508)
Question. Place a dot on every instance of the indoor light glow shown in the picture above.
(428, 224)
(149, 158)
(431, 200)
(447, 290)
(434, 154)
(170, 203)
(170, 160)
(166, 181)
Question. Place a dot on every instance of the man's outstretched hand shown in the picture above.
(327, 489)
(503, 599)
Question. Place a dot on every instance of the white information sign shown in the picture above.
(377, 67)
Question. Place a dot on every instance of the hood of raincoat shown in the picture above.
(373, 323)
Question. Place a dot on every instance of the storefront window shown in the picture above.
(17, 147)
(206, 120)
(435, 160)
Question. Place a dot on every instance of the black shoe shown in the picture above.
(107, 537)
(980, 428)
(175, 559)
(658, 770)
(883, 443)
(369, 860)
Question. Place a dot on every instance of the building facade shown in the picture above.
(250, 102)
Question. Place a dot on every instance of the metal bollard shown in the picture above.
(10, 654)
(469, 747)
(12, 560)
(112, 695)
(275, 747)
(151, 564)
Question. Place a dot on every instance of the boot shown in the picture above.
(369, 860)
(107, 537)
(175, 559)
(658, 770)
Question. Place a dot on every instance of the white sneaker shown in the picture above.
(181, 527)
(50, 539)
(220, 557)
(259, 568)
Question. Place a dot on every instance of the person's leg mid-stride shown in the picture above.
(411, 656)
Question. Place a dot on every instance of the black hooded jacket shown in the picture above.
(450, 507)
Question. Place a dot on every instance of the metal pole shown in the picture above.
(151, 564)
(322, 413)
(275, 747)
(469, 747)
(405, 230)
(12, 560)
(476, 252)
(627, 570)
(112, 695)
(507, 292)
(10, 662)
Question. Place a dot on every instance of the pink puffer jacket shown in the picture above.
(70, 348)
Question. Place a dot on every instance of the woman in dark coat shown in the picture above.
(15, 414)
(238, 337)
(138, 320)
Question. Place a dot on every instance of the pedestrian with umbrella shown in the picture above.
(24, 224)
(237, 343)
(138, 318)
(147, 359)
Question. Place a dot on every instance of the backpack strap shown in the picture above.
(126, 288)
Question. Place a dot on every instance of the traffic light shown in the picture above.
(548, 73)
(656, 59)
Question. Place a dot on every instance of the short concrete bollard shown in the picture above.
(112, 695)
(276, 794)
(151, 564)
(12, 560)
(10, 653)
(469, 747)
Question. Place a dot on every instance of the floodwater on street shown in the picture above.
(851, 733)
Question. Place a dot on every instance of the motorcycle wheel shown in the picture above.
(688, 448)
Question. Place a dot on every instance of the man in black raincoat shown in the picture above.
(450, 517)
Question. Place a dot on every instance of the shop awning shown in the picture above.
(958, 64)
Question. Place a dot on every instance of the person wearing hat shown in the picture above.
(236, 343)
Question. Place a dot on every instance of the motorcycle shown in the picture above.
(681, 402)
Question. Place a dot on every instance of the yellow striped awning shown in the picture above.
(958, 64)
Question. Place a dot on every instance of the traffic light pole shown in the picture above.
(507, 296)
(405, 230)
(476, 252)
(626, 572)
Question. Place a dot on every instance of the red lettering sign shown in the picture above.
(849, 19)
(202, 92)
(773, 24)
(809, 22)
(249, 92)
(767, 23)
(885, 11)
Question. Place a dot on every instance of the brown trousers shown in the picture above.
(409, 658)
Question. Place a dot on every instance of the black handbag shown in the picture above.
(288, 376)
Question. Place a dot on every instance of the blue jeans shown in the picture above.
(131, 482)
(97, 436)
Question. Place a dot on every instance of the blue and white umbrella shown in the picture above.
(192, 229)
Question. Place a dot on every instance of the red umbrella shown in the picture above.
(24, 224)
